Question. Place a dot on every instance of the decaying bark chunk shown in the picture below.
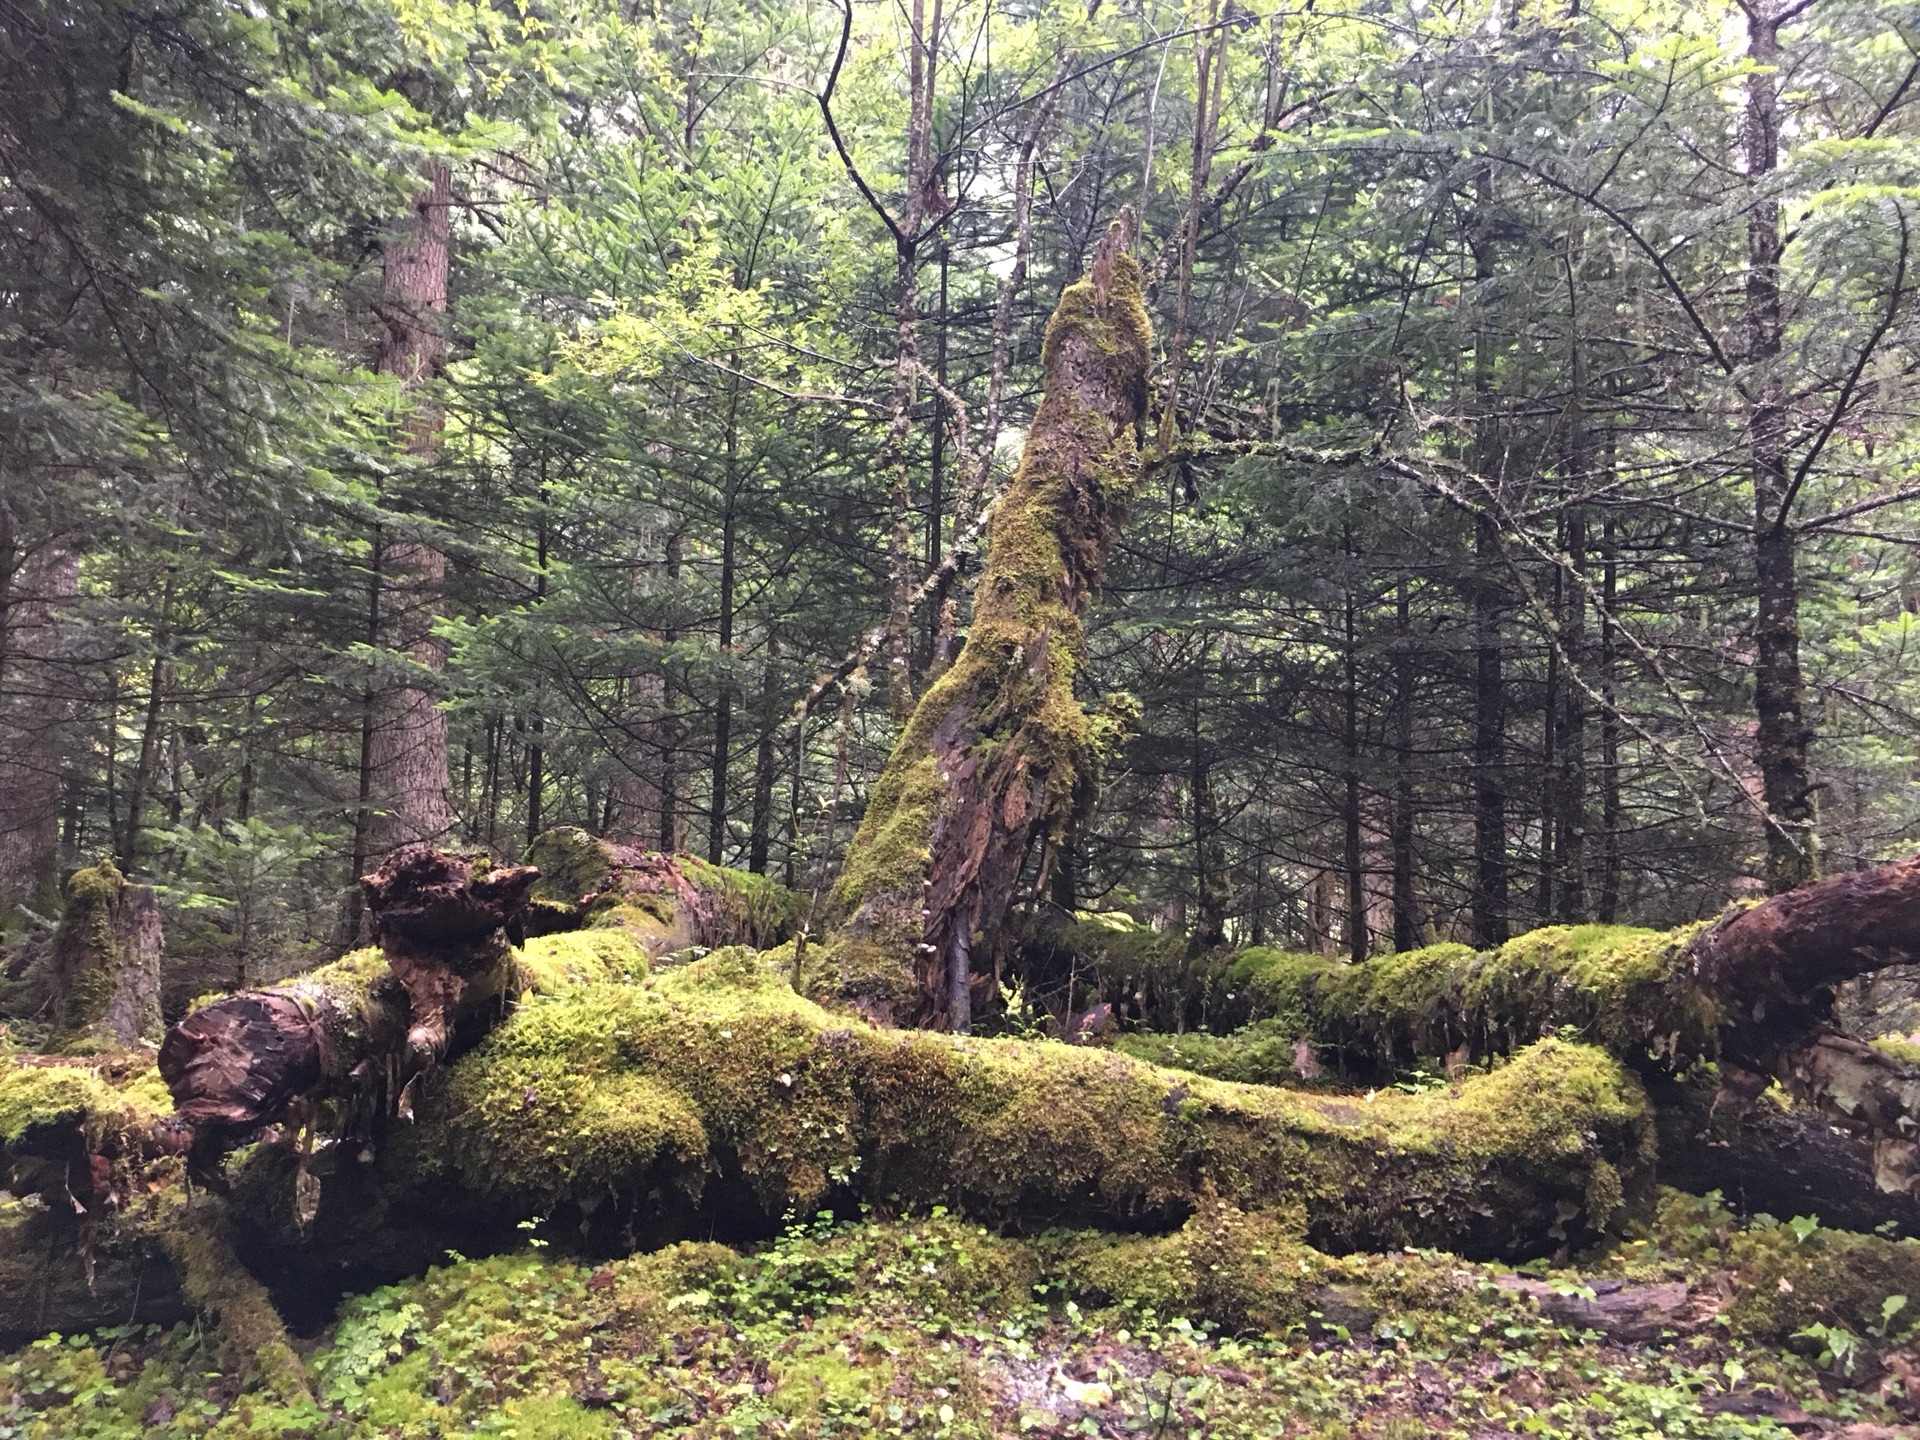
(366, 1023)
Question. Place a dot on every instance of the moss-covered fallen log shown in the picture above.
(665, 903)
(1751, 993)
(713, 1094)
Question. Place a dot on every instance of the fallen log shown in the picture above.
(666, 903)
(710, 1098)
(1751, 993)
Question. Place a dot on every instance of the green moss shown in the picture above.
(573, 865)
(1263, 1053)
(1898, 1047)
(1622, 988)
(552, 962)
(719, 1064)
(253, 1338)
(1244, 1271)
(122, 1094)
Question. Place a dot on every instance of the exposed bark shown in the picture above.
(1618, 1309)
(407, 752)
(105, 962)
(356, 1031)
(447, 934)
(1782, 1159)
(999, 751)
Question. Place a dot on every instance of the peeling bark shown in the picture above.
(998, 751)
(356, 1032)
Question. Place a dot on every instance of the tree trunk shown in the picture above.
(1608, 908)
(140, 788)
(1359, 940)
(35, 585)
(998, 750)
(1778, 692)
(1407, 924)
(1570, 828)
(1210, 881)
(1489, 901)
(765, 764)
(106, 962)
(408, 767)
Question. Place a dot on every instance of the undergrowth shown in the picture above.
(931, 1327)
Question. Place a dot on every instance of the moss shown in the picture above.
(573, 864)
(1244, 1271)
(1622, 988)
(100, 995)
(122, 1094)
(718, 1064)
(1829, 1277)
(1899, 1047)
(1263, 1053)
(253, 1337)
(552, 962)
(663, 903)
(1011, 690)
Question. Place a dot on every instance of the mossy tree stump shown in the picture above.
(999, 752)
(105, 965)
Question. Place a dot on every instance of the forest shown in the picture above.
(963, 718)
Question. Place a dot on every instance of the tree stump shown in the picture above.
(105, 962)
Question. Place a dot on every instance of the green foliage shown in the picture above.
(928, 1326)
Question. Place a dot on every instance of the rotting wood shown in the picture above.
(999, 750)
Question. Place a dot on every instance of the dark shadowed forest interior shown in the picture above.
(959, 718)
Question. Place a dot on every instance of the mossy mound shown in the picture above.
(718, 1067)
(1792, 1274)
(1267, 1052)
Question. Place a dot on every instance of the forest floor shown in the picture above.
(932, 1327)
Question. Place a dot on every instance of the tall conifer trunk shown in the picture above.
(1778, 690)
(407, 749)
(998, 751)
(36, 583)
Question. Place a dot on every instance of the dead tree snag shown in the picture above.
(106, 962)
(999, 751)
